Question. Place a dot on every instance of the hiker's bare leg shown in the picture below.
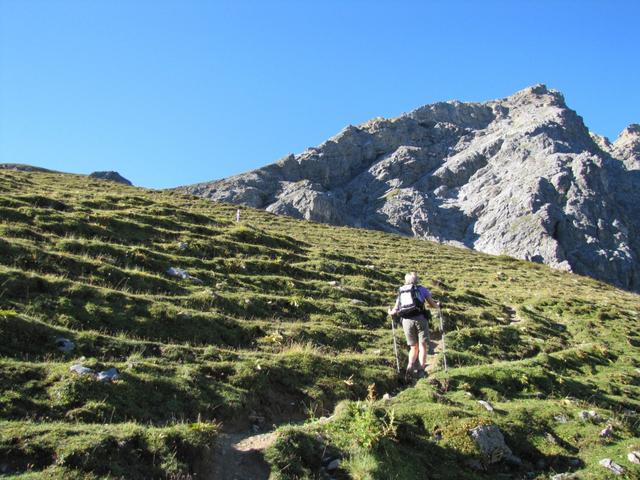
(424, 348)
(413, 356)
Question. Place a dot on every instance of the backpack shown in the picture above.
(410, 304)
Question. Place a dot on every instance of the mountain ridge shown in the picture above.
(520, 176)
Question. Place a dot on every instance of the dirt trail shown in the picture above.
(239, 456)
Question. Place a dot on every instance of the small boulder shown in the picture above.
(355, 301)
(634, 457)
(80, 370)
(108, 375)
(560, 418)
(333, 465)
(65, 345)
(606, 432)
(563, 476)
(490, 441)
(590, 415)
(183, 274)
(486, 405)
(612, 466)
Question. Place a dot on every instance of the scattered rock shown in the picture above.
(561, 418)
(386, 396)
(611, 465)
(370, 267)
(486, 405)
(634, 457)
(550, 438)
(333, 465)
(563, 476)
(180, 273)
(333, 283)
(490, 441)
(111, 176)
(65, 345)
(607, 431)
(590, 415)
(108, 375)
(80, 370)
(355, 301)
(182, 246)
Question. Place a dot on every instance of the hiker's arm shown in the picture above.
(394, 310)
(433, 303)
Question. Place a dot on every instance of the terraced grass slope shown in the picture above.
(280, 320)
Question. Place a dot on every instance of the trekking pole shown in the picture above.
(395, 344)
(444, 351)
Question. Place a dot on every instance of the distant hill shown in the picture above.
(520, 176)
(21, 167)
(220, 330)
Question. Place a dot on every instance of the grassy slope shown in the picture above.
(270, 334)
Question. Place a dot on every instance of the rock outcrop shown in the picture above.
(111, 176)
(520, 176)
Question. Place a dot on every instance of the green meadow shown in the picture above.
(282, 323)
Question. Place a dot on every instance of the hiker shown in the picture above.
(410, 306)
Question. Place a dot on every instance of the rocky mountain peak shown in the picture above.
(520, 176)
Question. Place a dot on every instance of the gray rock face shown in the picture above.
(520, 176)
(112, 176)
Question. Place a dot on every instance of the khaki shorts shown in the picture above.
(416, 330)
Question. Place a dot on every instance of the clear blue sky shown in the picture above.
(176, 92)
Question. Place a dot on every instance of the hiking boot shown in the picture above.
(408, 375)
(420, 373)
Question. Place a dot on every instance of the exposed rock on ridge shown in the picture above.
(111, 176)
(520, 176)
